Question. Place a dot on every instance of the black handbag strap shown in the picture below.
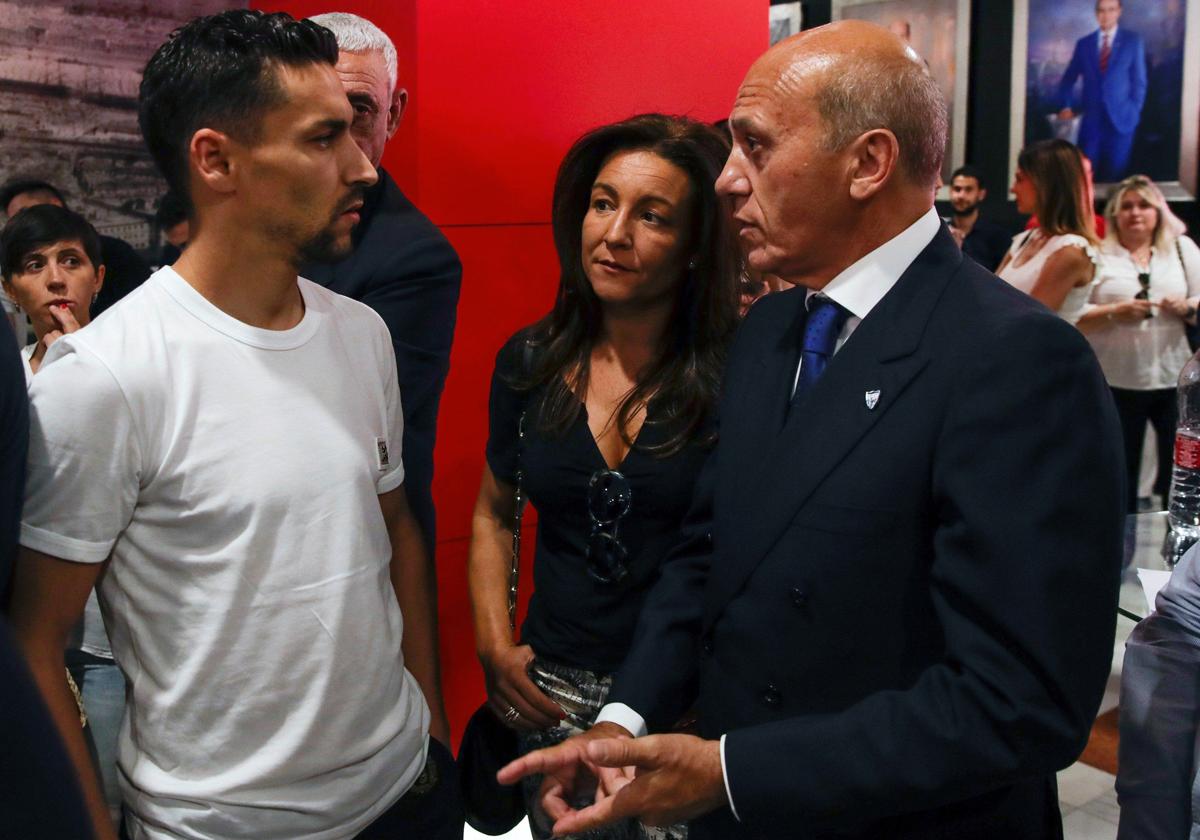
(514, 572)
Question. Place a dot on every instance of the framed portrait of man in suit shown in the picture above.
(785, 20)
(939, 31)
(1120, 78)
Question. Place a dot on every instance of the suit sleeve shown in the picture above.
(416, 294)
(658, 678)
(1066, 98)
(1160, 733)
(1024, 575)
(1137, 87)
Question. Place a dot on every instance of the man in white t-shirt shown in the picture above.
(222, 452)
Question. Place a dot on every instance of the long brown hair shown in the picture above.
(1056, 169)
(685, 379)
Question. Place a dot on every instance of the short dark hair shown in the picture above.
(20, 186)
(171, 211)
(969, 171)
(219, 72)
(45, 224)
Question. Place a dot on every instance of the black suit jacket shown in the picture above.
(901, 616)
(403, 268)
(124, 271)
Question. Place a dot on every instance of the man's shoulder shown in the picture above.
(339, 307)
(981, 315)
(991, 227)
(1128, 36)
(396, 212)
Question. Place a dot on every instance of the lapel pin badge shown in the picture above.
(872, 399)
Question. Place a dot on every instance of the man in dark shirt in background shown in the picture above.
(124, 269)
(983, 241)
(402, 266)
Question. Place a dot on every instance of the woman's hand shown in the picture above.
(1130, 311)
(506, 672)
(1179, 307)
(66, 325)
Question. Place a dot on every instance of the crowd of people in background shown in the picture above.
(244, 674)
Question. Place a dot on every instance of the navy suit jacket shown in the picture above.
(901, 615)
(405, 269)
(1120, 92)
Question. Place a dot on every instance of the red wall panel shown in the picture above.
(506, 87)
(498, 91)
(510, 275)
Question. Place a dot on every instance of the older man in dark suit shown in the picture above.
(893, 604)
(401, 266)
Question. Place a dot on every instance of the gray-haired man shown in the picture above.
(401, 266)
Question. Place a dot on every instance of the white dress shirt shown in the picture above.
(857, 289)
(1100, 33)
(1149, 354)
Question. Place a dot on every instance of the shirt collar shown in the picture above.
(862, 285)
(1112, 36)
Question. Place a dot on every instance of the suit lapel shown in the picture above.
(770, 485)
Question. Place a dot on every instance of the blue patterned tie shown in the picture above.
(821, 330)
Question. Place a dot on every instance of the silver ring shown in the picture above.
(511, 715)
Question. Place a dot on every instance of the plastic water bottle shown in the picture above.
(1183, 510)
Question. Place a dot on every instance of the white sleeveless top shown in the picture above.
(1024, 276)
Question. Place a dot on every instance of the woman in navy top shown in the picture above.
(617, 386)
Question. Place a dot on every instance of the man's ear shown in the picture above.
(982, 194)
(396, 110)
(874, 157)
(211, 160)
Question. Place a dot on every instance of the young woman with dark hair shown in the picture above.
(602, 413)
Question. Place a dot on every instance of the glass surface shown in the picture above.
(1145, 534)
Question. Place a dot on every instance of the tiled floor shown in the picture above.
(1088, 802)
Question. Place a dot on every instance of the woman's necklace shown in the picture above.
(1141, 257)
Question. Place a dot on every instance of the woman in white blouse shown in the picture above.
(1147, 287)
(1055, 262)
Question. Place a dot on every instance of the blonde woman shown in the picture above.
(1147, 289)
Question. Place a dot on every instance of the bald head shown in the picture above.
(862, 77)
(838, 129)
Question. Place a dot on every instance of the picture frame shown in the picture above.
(1166, 134)
(940, 32)
(785, 20)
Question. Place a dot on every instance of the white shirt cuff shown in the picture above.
(725, 778)
(622, 715)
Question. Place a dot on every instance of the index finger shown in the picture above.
(65, 318)
(624, 752)
(561, 757)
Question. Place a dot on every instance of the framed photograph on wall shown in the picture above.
(785, 20)
(940, 32)
(1120, 80)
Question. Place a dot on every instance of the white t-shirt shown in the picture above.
(89, 634)
(233, 474)
(1147, 355)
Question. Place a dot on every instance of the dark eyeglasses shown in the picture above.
(609, 499)
(1144, 279)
